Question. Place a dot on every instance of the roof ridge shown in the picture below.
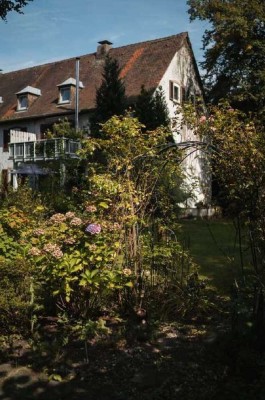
(184, 34)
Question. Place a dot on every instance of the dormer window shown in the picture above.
(67, 90)
(22, 102)
(65, 94)
(26, 97)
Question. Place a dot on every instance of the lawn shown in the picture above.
(214, 246)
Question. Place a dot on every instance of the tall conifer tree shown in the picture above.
(110, 96)
(151, 108)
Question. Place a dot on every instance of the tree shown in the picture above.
(234, 48)
(151, 109)
(7, 5)
(110, 96)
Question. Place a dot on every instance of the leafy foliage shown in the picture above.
(63, 128)
(238, 156)
(234, 51)
(8, 5)
(15, 296)
(112, 245)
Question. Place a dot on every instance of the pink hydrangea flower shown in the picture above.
(202, 119)
(94, 229)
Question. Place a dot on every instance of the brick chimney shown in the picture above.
(103, 48)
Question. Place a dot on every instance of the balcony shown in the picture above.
(44, 150)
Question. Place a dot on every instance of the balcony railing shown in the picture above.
(47, 149)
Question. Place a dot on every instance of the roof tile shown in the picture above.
(141, 64)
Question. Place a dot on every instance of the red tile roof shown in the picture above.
(141, 64)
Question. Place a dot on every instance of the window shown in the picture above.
(175, 92)
(66, 90)
(26, 97)
(65, 95)
(22, 102)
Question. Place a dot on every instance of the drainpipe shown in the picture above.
(77, 94)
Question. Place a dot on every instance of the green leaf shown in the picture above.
(102, 204)
(55, 377)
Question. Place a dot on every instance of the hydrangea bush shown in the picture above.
(116, 243)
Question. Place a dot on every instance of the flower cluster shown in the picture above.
(69, 215)
(127, 271)
(76, 221)
(38, 232)
(57, 218)
(93, 229)
(202, 119)
(91, 209)
(69, 240)
(53, 249)
(34, 251)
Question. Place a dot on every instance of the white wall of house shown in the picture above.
(195, 166)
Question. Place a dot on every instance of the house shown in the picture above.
(33, 99)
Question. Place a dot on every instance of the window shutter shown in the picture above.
(183, 94)
(171, 90)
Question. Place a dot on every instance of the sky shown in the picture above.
(51, 30)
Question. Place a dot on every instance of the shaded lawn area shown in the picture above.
(214, 246)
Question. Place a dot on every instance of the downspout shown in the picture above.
(77, 94)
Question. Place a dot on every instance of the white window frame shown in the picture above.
(65, 89)
(20, 99)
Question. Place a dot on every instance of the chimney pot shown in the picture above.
(103, 48)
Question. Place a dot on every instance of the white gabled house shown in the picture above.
(33, 99)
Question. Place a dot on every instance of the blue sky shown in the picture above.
(52, 30)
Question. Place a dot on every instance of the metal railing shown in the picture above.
(46, 149)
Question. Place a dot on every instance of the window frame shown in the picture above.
(172, 86)
(63, 89)
(19, 102)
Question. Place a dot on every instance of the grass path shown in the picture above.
(214, 246)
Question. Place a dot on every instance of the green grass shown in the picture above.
(214, 246)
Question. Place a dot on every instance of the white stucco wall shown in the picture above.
(195, 166)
